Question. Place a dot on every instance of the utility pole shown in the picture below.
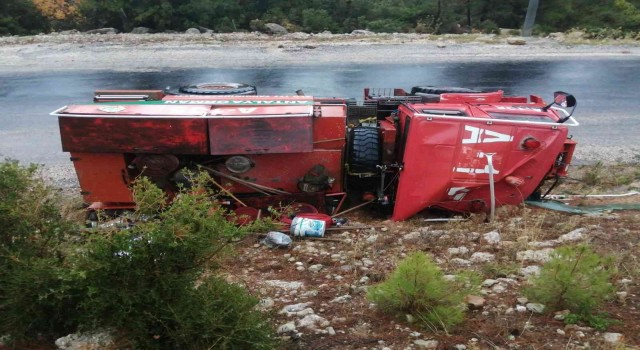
(530, 19)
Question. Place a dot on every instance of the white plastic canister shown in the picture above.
(304, 227)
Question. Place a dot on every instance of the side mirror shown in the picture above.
(564, 100)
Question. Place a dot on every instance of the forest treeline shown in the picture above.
(22, 17)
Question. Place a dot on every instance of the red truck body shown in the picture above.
(402, 149)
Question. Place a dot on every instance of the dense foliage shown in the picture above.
(153, 282)
(431, 16)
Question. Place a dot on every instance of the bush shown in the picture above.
(576, 278)
(489, 27)
(35, 293)
(154, 284)
(418, 287)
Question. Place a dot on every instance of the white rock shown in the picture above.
(295, 308)
(286, 328)
(481, 257)
(441, 45)
(265, 304)
(192, 31)
(411, 236)
(85, 341)
(426, 344)
(516, 41)
(305, 312)
(535, 308)
(560, 331)
(460, 262)
(522, 300)
(528, 271)
(284, 284)
(499, 288)
(460, 347)
(520, 308)
(492, 237)
(540, 256)
(458, 251)
(342, 299)
(364, 280)
(316, 267)
(415, 334)
(313, 321)
(372, 239)
(612, 338)
(573, 236)
(489, 282)
(330, 331)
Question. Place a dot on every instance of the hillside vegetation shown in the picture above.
(23, 17)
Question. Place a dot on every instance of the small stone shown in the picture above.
(580, 334)
(460, 262)
(612, 338)
(295, 307)
(284, 284)
(573, 236)
(265, 304)
(342, 299)
(316, 268)
(372, 239)
(364, 280)
(520, 308)
(560, 331)
(192, 31)
(426, 344)
(300, 268)
(509, 311)
(489, 283)
(516, 41)
(286, 328)
(475, 302)
(410, 318)
(330, 331)
(458, 251)
(482, 257)
(305, 312)
(522, 300)
(535, 308)
(460, 347)
(499, 288)
(492, 237)
(313, 321)
(415, 334)
(560, 315)
(412, 236)
(622, 296)
(441, 45)
(533, 270)
(625, 281)
(540, 256)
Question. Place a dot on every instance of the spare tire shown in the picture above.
(219, 89)
(435, 90)
(364, 150)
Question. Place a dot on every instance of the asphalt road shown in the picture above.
(608, 93)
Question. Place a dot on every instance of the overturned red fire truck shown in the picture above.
(449, 148)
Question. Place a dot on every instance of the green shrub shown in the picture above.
(576, 278)
(35, 296)
(418, 287)
(154, 284)
(489, 27)
(139, 281)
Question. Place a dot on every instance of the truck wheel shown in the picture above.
(219, 89)
(435, 90)
(364, 150)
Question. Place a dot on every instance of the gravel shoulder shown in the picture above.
(150, 52)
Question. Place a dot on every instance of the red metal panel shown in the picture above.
(102, 177)
(134, 135)
(329, 129)
(138, 110)
(283, 171)
(388, 142)
(256, 135)
(258, 111)
(445, 164)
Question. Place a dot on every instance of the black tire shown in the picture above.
(435, 90)
(219, 89)
(364, 150)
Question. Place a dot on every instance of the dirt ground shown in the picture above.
(352, 260)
